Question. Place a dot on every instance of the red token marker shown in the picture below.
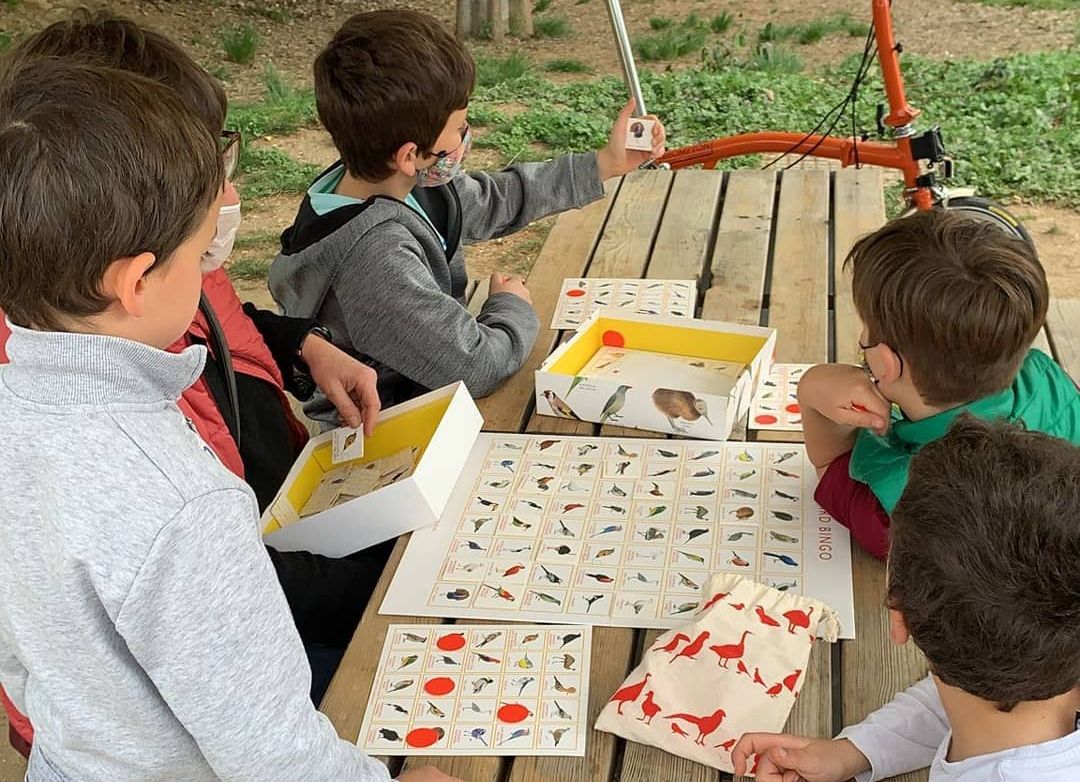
(423, 737)
(439, 686)
(451, 642)
(793, 408)
(860, 408)
(575, 292)
(613, 339)
(764, 418)
(512, 712)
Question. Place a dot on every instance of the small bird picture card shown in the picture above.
(580, 296)
(348, 444)
(775, 406)
(639, 134)
(480, 690)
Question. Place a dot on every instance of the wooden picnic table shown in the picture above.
(767, 248)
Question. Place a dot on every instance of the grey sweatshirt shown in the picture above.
(142, 628)
(387, 290)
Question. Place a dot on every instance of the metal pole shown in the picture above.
(626, 54)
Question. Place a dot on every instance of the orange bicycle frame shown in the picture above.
(896, 154)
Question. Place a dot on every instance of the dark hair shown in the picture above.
(959, 298)
(105, 38)
(386, 79)
(96, 164)
(985, 561)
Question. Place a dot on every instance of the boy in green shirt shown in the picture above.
(950, 306)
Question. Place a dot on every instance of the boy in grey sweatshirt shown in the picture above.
(376, 250)
(142, 628)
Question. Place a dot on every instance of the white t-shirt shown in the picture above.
(912, 732)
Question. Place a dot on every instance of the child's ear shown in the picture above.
(405, 159)
(125, 282)
(890, 365)
(898, 631)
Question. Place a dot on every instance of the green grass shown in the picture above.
(5, 40)
(671, 41)
(721, 23)
(267, 172)
(12, 3)
(806, 33)
(284, 110)
(660, 22)
(551, 27)
(566, 65)
(251, 268)
(1008, 124)
(772, 58)
(496, 70)
(541, 5)
(277, 89)
(240, 43)
(279, 15)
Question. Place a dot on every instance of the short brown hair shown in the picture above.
(96, 164)
(959, 298)
(388, 78)
(985, 561)
(105, 38)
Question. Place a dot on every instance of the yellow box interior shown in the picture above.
(659, 338)
(413, 429)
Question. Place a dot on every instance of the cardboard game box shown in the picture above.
(663, 374)
(421, 444)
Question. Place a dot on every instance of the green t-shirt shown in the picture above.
(1042, 396)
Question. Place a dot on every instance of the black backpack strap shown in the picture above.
(220, 349)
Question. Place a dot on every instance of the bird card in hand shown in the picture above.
(480, 690)
(639, 134)
(348, 445)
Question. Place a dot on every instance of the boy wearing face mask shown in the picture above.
(375, 251)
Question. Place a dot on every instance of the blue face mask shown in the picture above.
(447, 166)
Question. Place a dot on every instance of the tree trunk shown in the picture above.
(464, 18)
(521, 23)
(498, 22)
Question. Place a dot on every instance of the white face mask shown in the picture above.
(228, 224)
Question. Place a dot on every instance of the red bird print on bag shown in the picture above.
(629, 694)
(798, 618)
(649, 709)
(705, 725)
(766, 620)
(792, 679)
(731, 651)
(691, 649)
(671, 645)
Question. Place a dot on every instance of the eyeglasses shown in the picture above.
(866, 364)
(230, 151)
(464, 135)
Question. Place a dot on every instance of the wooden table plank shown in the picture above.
(741, 249)
(858, 209)
(1063, 323)
(566, 253)
(682, 243)
(623, 250)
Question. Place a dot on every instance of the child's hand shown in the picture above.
(615, 159)
(785, 758)
(505, 283)
(349, 384)
(845, 395)
(426, 774)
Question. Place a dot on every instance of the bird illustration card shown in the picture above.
(348, 444)
(643, 367)
(480, 690)
(639, 134)
(776, 404)
(620, 532)
(737, 666)
(580, 296)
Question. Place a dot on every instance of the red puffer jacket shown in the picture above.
(250, 356)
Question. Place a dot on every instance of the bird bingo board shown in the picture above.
(776, 405)
(620, 532)
(579, 297)
(480, 690)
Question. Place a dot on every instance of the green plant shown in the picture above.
(721, 23)
(12, 3)
(268, 171)
(660, 22)
(541, 5)
(276, 87)
(772, 58)
(670, 44)
(218, 71)
(806, 33)
(251, 268)
(274, 14)
(494, 70)
(566, 65)
(5, 40)
(283, 115)
(240, 43)
(552, 27)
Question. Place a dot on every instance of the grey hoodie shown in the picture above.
(379, 277)
(142, 628)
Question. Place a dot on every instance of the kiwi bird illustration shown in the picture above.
(559, 406)
(614, 404)
(675, 405)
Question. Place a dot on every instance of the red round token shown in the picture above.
(613, 339)
(575, 292)
(423, 737)
(793, 408)
(439, 686)
(765, 418)
(451, 642)
(512, 712)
